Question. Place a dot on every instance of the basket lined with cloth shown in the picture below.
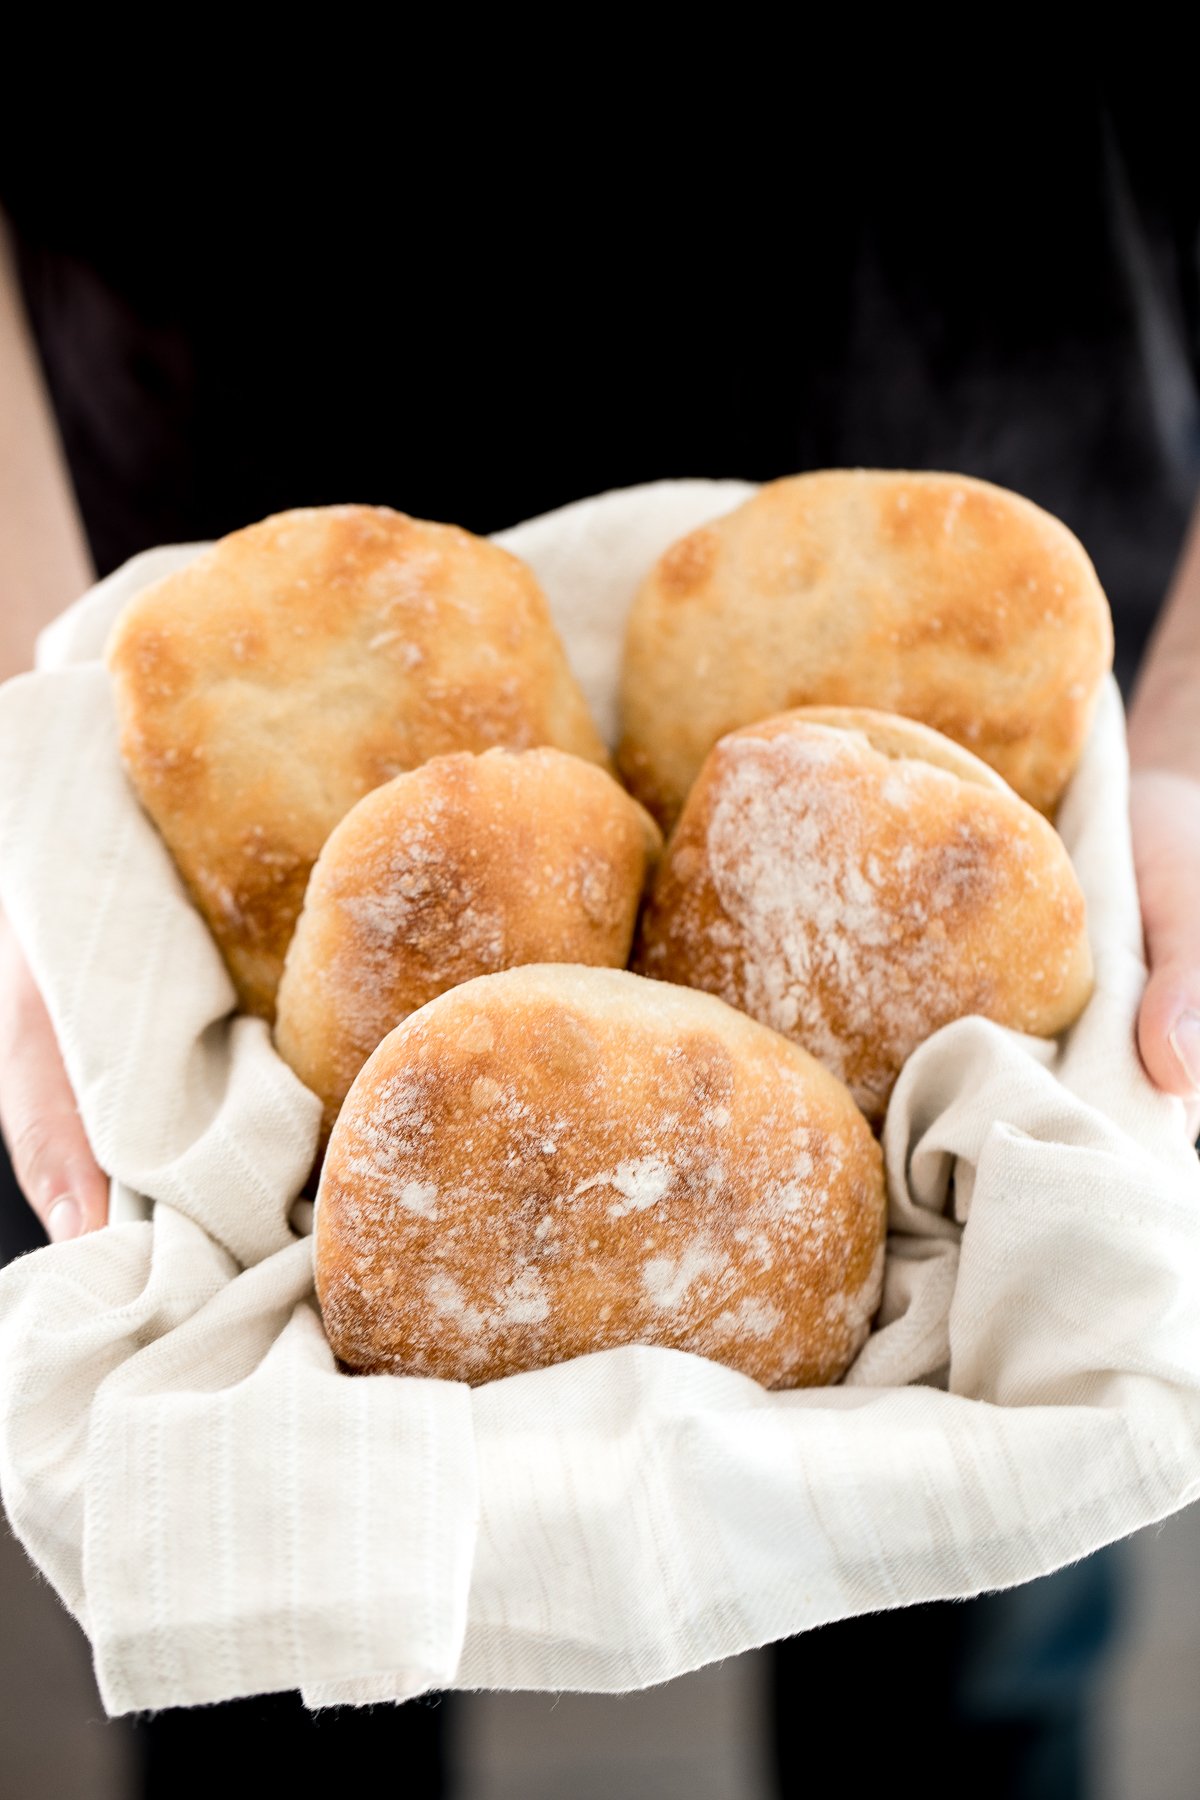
(226, 1513)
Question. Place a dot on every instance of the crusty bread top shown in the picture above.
(556, 1160)
(466, 865)
(895, 737)
(936, 596)
(297, 664)
(855, 882)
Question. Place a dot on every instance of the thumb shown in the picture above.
(1165, 811)
(51, 1156)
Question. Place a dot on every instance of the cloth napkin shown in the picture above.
(228, 1514)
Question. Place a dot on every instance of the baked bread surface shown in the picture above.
(296, 665)
(856, 881)
(557, 1160)
(940, 597)
(465, 866)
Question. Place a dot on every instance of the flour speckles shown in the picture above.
(523, 1301)
(638, 1181)
(419, 1197)
(668, 1280)
(752, 1317)
(445, 1298)
(818, 918)
(679, 1177)
(856, 897)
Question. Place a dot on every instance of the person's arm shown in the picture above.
(1164, 748)
(44, 565)
(44, 560)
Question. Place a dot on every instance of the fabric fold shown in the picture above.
(326, 1527)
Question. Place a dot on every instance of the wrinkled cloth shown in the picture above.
(227, 1514)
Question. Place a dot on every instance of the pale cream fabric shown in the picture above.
(227, 1514)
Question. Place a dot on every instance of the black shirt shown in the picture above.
(1001, 280)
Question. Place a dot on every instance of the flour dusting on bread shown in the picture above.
(856, 899)
(614, 1161)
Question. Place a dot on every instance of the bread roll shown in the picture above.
(557, 1160)
(855, 881)
(274, 681)
(464, 866)
(936, 596)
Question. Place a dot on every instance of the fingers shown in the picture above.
(1166, 840)
(50, 1153)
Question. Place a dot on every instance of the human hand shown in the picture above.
(44, 564)
(1165, 815)
(51, 1156)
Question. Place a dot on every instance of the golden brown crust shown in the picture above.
(557, 1160)
(854, 882)
(464, 866)
(299, 663)
(936, 596)
(901, 739)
